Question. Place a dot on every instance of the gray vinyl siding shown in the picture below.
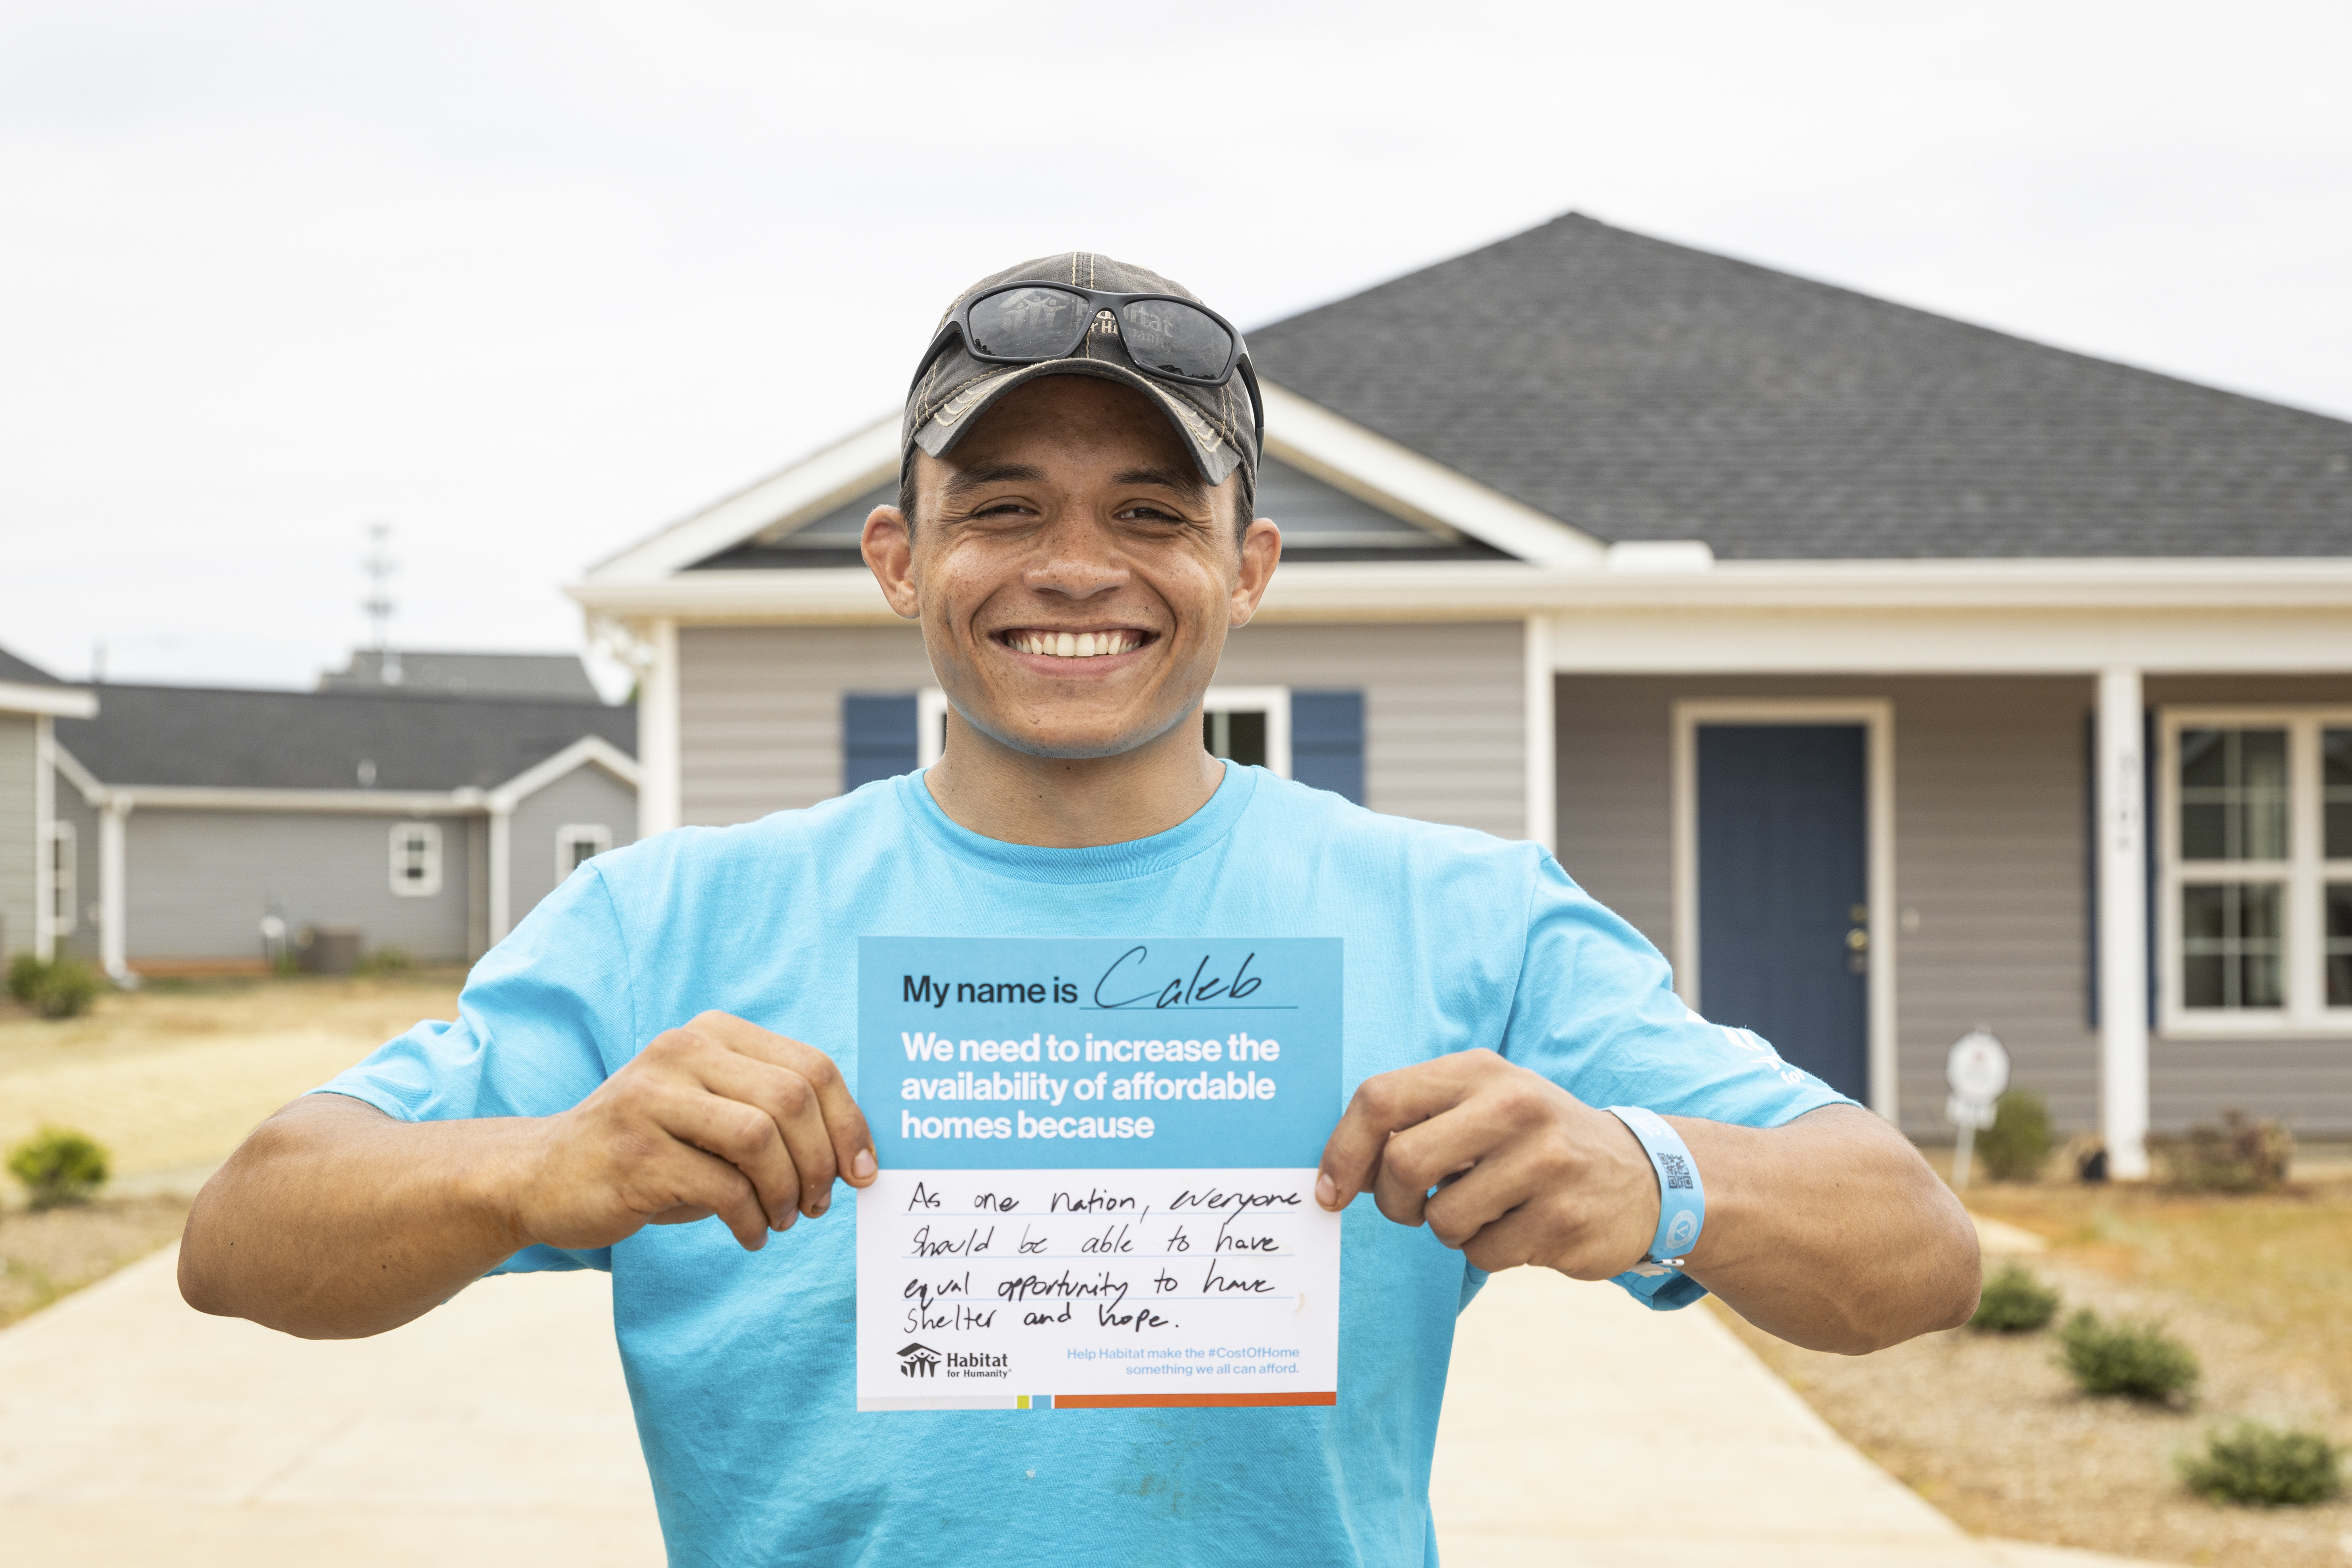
(19, 885)
(1989, 854)
(201, 881)
(1444, 712)
(586, 795)
(2306, 1083)
(760, 709)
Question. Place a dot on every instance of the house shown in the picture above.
(1895, 676)
(427, 821)
(555, 677)
(34, 841)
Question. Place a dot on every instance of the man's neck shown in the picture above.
(1072, 802)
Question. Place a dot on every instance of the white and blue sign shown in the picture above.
(1004, 1053)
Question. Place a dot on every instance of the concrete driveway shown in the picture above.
(1580, 1430)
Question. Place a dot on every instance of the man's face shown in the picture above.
(1074, 575)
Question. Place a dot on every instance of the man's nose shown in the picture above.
(1077, 557)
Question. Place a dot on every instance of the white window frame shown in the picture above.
(571, 833)
(429, 884)
(1273, 701)
(64, 880)
(2303, 874)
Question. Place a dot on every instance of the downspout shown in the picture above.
(502, 870)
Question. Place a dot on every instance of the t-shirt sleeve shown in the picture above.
(544, 1018)
(1596, 1012)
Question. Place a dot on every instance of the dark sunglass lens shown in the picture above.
(1174, 339)
(1029, 323)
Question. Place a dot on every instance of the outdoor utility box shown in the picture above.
(329, 948)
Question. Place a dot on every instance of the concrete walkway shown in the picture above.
(1580, 1431)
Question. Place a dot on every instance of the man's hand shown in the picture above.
(334, 1220)
(1524, 1171)
(716, 1117)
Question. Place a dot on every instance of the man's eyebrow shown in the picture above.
(986, 474)
(1184, 481)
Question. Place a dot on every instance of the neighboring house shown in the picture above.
(1893, 675)
(37, 847)
(432, 823)
(555, 677)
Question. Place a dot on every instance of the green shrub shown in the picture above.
(2266, 1467)
(2244, 1154)
(64, 989)
(387, 961)
(24, 973)
(2139, 1358)
(2014, 1302)
(2017, 1145)
(58, 1166)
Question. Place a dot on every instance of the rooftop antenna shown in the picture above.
(378, 603)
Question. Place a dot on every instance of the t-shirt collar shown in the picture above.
(1094, 863)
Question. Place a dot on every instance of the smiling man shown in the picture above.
(652, 1075)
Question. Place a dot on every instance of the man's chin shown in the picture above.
(1078, 743)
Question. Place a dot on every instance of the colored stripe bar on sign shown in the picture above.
(1184, 1401)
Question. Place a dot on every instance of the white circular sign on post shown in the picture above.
(1977, 1067)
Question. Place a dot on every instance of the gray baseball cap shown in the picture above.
(1218, 423)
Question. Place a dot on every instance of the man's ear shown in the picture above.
(1261, 550)
(888, 545)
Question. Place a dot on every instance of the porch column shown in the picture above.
(114, 922)
(658, 784)
(501, 868)
(1542, 787)
(45, 849)
(2123, 923)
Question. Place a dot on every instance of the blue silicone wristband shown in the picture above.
(1682, 1196)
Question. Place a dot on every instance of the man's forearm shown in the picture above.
(335, 1221)
(1831, 1231)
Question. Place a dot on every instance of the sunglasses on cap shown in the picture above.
(1167, 338)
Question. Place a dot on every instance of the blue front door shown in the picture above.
(1784, 877)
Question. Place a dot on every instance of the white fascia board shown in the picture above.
(538, 775)
(57, 701)
(1369, 465)
(370, 801)
(817, 483)
(93, 793)
(1378, 590)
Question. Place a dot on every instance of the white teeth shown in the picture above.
(1078, 645)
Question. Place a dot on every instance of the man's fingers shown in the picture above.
(688, 1183)
(739, 1129)
(1353, 1157)
(851, 1143)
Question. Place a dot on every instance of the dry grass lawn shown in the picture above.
(1990, 1429)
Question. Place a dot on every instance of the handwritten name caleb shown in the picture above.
(1179, 989)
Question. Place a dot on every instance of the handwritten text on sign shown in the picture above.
(1098, 1160)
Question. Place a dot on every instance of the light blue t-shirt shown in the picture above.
(740, 1363)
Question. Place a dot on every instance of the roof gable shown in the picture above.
(1639, 390)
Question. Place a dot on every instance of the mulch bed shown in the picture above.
(46, 1256)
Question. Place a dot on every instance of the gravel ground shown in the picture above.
(46, 1256)
(1990, 1428)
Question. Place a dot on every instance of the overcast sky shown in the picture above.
(530, 280)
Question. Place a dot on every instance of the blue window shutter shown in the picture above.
(1327, 741)
(877, 739)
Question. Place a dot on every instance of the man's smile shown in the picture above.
(1054, 642)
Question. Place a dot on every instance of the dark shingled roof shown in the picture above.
(1642, 390)
(17, 671)
(307, 739)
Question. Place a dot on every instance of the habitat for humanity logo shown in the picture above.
(919, 1360)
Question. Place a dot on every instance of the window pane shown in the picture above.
(2232, 944)
(2233, 786)
(2335, 781)
(2339, 944)
(1238, 736)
